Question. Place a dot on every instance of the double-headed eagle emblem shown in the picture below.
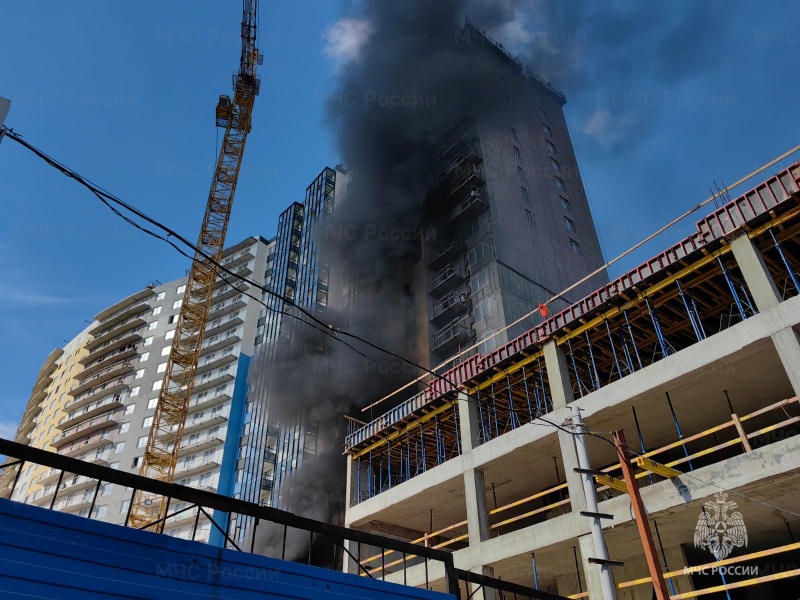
(719, 531)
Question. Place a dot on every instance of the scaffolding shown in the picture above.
(680, 297)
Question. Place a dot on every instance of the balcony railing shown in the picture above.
(455, 332)
(85, 428)
(447, 278)
(455, 301)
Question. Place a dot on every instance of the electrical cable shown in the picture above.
(107, 198)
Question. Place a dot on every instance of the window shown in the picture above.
(169, 335)
(161, 295)
(141, 442)
(157, 385)
(148, 421)
(148, 341)
(569, 224)
(129, 409)
(152, 325)
(114, 465)
(479, 281)
(524, 194)
(517, 155)
(106, 489)
(139, 374)
(551, 148)
(156, 310)
(564, 203)
(513, 134)
(123, 507)
(124, 427)
(482, 311)
(144, 357)
(135, 462)
(171, 319)
(546, 129)
(476, 254)
(177, 303)
(576, 247)
(134, 391)
(165, 350)
(181, 289)
(521, 175)
(119, 447)
(560, 184)
(555, 165)
(529, 216)
(100, 512)
(152, 403)
(543, 114)
(472, 228)
(161, 368)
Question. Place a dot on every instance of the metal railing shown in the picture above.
(220, 510)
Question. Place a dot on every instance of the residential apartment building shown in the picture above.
(112, 373)
(275, 442)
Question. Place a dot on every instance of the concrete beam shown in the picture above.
(755, 272)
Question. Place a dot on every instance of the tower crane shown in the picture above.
(164, 440)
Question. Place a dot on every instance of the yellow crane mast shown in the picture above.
(164, 439)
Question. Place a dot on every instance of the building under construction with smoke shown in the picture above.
(694, 354)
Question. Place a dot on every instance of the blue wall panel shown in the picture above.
(46, 554)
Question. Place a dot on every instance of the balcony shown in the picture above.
(121, 316)
(446, 279)
(195, 424)
(70, 484)
(208, 401)
(228, 323)
(110, 388)
(200, 443)
(228, 307)
(114, 371)
(449, 306)
(443, 255)
(100, 350)
(194, 467)
(132, 328)
(453, 334)
(41, 384)
(242, 270)
(86, 428)
(469, 208)
(234, 290)
(87, 445)
(48, 477)
(222, 343)
(105, 360)
(236, 260)
(220, 361)
(468, 154)
(73, 505)
(462, 188)
(203, 385)
(90, 411)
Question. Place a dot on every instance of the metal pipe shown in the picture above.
(541, 379)
(597, 383)
(513, 414)
(600, 550)
(689, 312)
(657, 327)
(527, 395)
(664, 558)
(641, 439)
(577, 569)
(575, 367)
(613, 349)
(678, 429)
(786, 264)
(633, 339)
(494, 410)
(732, 288)
(535, 572)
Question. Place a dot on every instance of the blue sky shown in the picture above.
(124, 93)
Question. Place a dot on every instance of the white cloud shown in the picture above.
(27, 297)
(7, 430)
(345, 38)
(605, 128)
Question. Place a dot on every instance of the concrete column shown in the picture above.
(468, 422)
(787, 343)
(348, 564)
(756, 275)
(477, 508)
(591, 573)
(558, 374)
